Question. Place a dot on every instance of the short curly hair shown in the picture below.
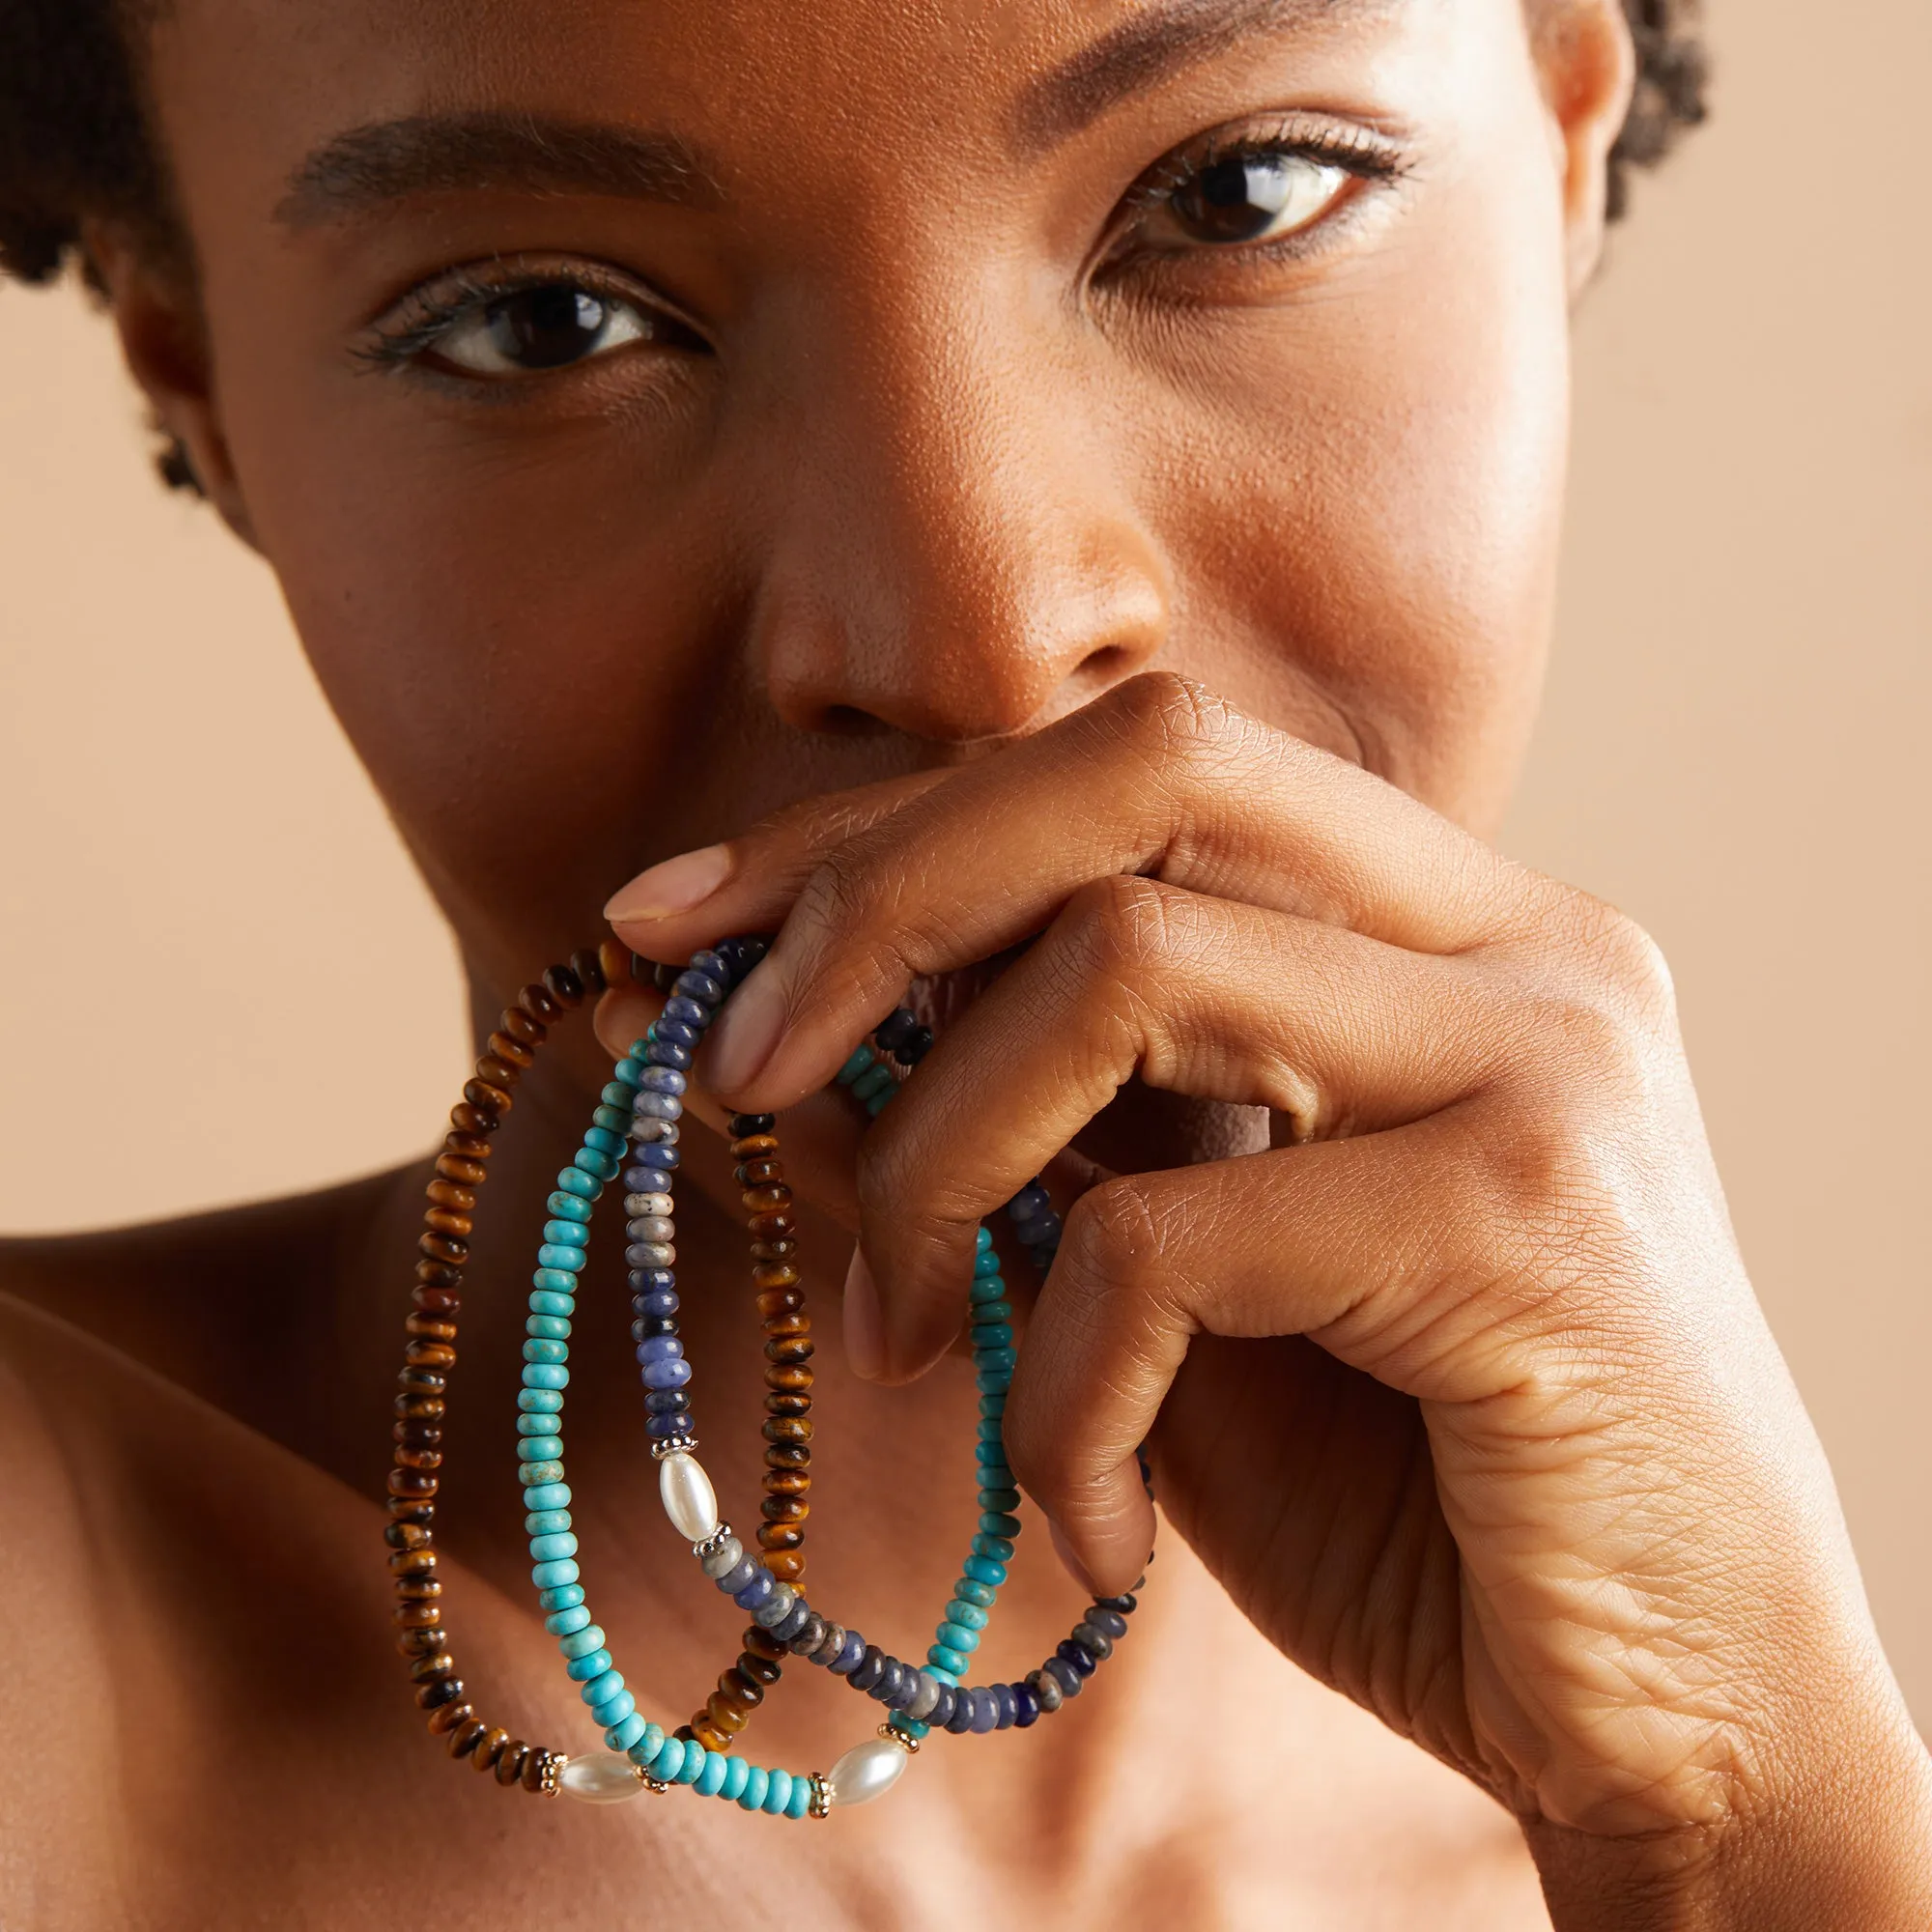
(74, 140)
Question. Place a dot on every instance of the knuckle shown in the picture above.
(1122, 927)
(1171, 716)
(1111, 1243)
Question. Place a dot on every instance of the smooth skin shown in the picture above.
(961, 551)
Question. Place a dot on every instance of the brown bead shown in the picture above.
(449, 1716)
(788, 1455)
(446, 1194)
(461, 1172)
(408, 1536)
(778, 1402)
(441, 1221)
(787, 1565)
(422, 1588)
(466, 1143)
(587, 963)
(741, 1689)
(420, 1408)
(411, 1483)
(421, 1382)
(413, 1562)
(521, 1028)
(512, 1052)
(785, 1509)
(533, 1768)
(755, 1146)
(414, 1616)
(427, 1328)
(760, 1643)
(497, 1074)
(438, 1274)
(791, 1380)
(412, 1509)
(756, 1172)
(443, 1302)
(768, 1227)
(796, 1346)
(773, 1251)
(613, 961)
(761, 1670)
(416, 1435)
(482, 1121)
(437, 1665)
(787, 1482)
(564, 986)
(486, 1096)
(536, 1001)
(764, 1202)
(775, 1304)
(420, 1355)
(490, 1747)
(424, 1641)
(775, 1274)
(438, 1691)
(442, 1248)
(787, 1429)
(510, 1765)
(709, 1735)
(407, 1458)
(467, 1735)
(779, 1536)
(722, 1711)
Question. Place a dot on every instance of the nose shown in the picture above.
(958, 556)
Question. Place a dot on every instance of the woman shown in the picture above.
(990, 486)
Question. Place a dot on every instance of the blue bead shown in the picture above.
(546, 1376)
(566, 1623)
(982, 1570)
(662, 1052)
(547, 1549)
(850, 1655)
(660, 1348)
(571, 1208)
(570, 1259)
(602, 1688)
(655, 1155)
(547, 1496)
(659, 1107)
(591, 1663)
(737, 1772)
(666, 1374)
(662, 1080)
(1029, 1202)
(677, 1422)
(574, 1181)
(583, 1641)
(601, 1140)
(683, 1010)
(560, 1597)
(1078, 1655)
(608, 1716)
(667, 1402)
(757, 1781)
(961, 1719)
(539, 1448)
(778, 1793)
(532, 1475)
(998, 1549)
(986, 1713)
(653, 1281)
(711, 1777)
(800, 1801)
(622, 1736)
(1026, 1706)
(660, 1303)
(548, 1576)
(1003, 1707)
(755, 1592)
(671, 1031)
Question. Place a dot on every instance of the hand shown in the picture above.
(1458, 1384)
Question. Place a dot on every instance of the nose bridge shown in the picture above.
(960, 553)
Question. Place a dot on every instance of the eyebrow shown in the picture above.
(368, 168)
(1151, 47)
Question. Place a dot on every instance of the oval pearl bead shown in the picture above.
(866, 1771)
(603, 1779)
(689, 1500)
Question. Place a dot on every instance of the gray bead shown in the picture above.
(1063, 1674)
(652, 1227)
(650, 1255)
(645, 1129)
(788, 1627)
(808, 1635)
(656, 1107)
(724, 1559)
(1109, 1623)
(986, 1713)
(942, 1711)
(925, 1697)
(776, 1607)
(829, 1645)
(1046, 1689)
(1096, 1639)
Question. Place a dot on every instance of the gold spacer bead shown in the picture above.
(904, 1740)
(821, 1797)
(552, 1771)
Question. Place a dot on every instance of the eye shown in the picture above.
(530, 329)
(1254, 195)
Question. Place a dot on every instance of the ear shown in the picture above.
(1587, 64)
(165, 347)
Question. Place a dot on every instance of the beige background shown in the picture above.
(195, 882)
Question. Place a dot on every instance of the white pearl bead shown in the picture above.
(604, 1779)
(866, 1771)
(689, 1500)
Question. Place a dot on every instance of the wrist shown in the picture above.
(1850, 1847)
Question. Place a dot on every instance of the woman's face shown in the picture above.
(660, 413)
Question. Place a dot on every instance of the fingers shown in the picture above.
(1199, 996)
(1382, 1250)
(1156, 779)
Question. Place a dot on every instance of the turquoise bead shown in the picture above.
(546, 1522)
(630, 1068)
(711, 1779)
(874, 1080)
(985, 1334)
(546, 1376)
(561, 1623)
(860, 1059)
(669, 1761)
(620, 1737)
(592, 1663)
(549, 1354)
(757, 1780)
(535, 1474)
(548, 1576)
(569, 1207)
(539, 1402)
(778, 1793)
(692, 1767)
(940, 1671)
(646, 1746)
(996, 1523)
(566, 1234)
(547, 1496)
(990, 1428)
(993, 1311)
(983, 1570)
(967, 1591)
(575, 1181)
(561, 1596)
(552, 1255)
(991, 1362)
(1001, 1502)
(582, 1639)
(601, 1140)
(985, 1262)
(543, 1301)
(993, 1381)
(552, 1328)
(737, 1770)
(909, 1727)
(942, 1656)
(608, 1716)
(619, 1093)
(1000, 1549)
(801, 1798)
(539, 1425)
(539, 1448)
(612, 1119)
(548, 1548)
(997, 1476)
(956, 1636)
(600, 1167)
(879, 1102)
(601, 1688)
(982, 1238)
(993, 1405)
(969, 1616)
(555, 1281)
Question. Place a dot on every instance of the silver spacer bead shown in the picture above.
(671, 1445)
(713, 1543)
(821, 1797)
(904, 1740)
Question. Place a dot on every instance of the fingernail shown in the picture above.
(676, 885)
(1072, 1565)
(864, 1323)
(745, 1033)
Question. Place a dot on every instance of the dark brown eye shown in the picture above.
(536, 329)
(1253, 196)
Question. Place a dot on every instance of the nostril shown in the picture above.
(849, 721)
